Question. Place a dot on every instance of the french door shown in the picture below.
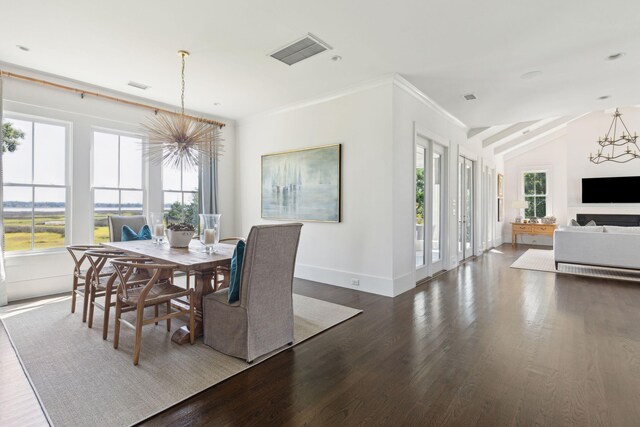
(430, 189)
(465, 207)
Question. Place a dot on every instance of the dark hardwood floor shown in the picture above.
(481, 345)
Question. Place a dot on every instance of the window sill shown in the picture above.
(35, 253)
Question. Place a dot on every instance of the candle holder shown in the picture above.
(209, 231)
(156, 220)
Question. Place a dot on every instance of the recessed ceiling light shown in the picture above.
(336, 58)
(615, 56)
(526, 131)
(470, 97)
(138, 85)
(23, 48)
(603, 97)
(217, 104)
(531, 75)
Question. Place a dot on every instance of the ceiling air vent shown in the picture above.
(470, 97)
(301, 49)
(138, 85)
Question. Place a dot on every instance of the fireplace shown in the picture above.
(623, 220)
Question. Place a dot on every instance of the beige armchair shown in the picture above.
(116, 222)
(262, 320)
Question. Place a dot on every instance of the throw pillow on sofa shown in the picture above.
(575, 223)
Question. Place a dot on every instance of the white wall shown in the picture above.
(360, 246)
(374, 243)
(413, 113)
(46, 273)
(567, 154)
(550, 156)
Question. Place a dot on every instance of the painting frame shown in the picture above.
(500, 185)
(334, 168)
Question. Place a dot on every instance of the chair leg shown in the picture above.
(116, 332)
(138, 342)
(168, 320)
(85, 304)
(192, 323)
(156, 312)
(92, 301)
(73, 293)
(107, 312)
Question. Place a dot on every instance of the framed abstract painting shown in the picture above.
(302, 185)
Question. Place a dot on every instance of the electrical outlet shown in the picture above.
(355, 282)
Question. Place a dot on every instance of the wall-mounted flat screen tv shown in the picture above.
(620, 189)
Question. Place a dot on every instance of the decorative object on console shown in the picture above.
(179, 235)
(607, 152)
(176, 139)
(302, 184)
(548, 220)
(518, 220)
(534, 220)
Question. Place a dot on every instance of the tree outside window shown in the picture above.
(535, 194)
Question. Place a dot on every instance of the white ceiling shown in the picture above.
(445, 48)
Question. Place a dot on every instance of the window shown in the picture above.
(180, 194)
(535, 194)
(117, 179)
(35, 191)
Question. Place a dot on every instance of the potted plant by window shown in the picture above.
(180, 234)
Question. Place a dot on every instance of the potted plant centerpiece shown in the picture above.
(180, 234)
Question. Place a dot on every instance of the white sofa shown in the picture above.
(605, 246)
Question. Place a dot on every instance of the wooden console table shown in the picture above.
(532, 229)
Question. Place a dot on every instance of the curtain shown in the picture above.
(209, 182)
(3, 289)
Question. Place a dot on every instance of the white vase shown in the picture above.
(179, 239)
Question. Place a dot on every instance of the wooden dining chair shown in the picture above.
(223, 273)
(79, 273)
(100, 280)
(155, 290)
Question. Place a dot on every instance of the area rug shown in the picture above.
(542, 260)
(82, 380)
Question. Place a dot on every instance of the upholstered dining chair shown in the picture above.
(262, 320)
(80, 268)
(136, 222)
(100, 281)
(157, 288)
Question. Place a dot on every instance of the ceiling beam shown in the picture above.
(536, 133)
(503, 134)
(475, 131)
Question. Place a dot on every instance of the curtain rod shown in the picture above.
(107, 97)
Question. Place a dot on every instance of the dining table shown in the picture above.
(192, 259)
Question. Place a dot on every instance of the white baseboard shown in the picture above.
(372, 284)
(403, 283)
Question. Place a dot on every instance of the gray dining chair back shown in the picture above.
(116, 222)
(262, 320)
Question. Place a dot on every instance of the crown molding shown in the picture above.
(408, 87)
(330, 96)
